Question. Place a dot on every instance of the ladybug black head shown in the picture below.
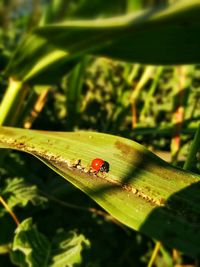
(105, 167)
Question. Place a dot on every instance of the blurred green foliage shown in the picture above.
(95, 95)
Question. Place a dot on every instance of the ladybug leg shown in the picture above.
(94, 172)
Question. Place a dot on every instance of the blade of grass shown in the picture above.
(73, 93)
(152, 89)
(147, 74)
(12, 101)
(195, 147)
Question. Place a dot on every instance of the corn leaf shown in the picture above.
(140, 190)
(168, 35)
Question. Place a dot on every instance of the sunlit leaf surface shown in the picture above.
(140, 190)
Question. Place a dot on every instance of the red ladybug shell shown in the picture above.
(97, 164)
(100, 165)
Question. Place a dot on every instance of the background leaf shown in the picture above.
(31, 248)
(155, 36)
(18, 192)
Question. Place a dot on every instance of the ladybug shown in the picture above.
(100, 165)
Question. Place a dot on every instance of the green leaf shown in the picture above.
(19, 192)
(140, 190)
(58, 10)
(66, 249)
(74, 92)
(32, 249)
(167, 35)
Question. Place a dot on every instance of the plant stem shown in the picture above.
(154, 254)
(182, 76)
(12, 101)
(195, 146)
(9, 211)
(37, 107)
